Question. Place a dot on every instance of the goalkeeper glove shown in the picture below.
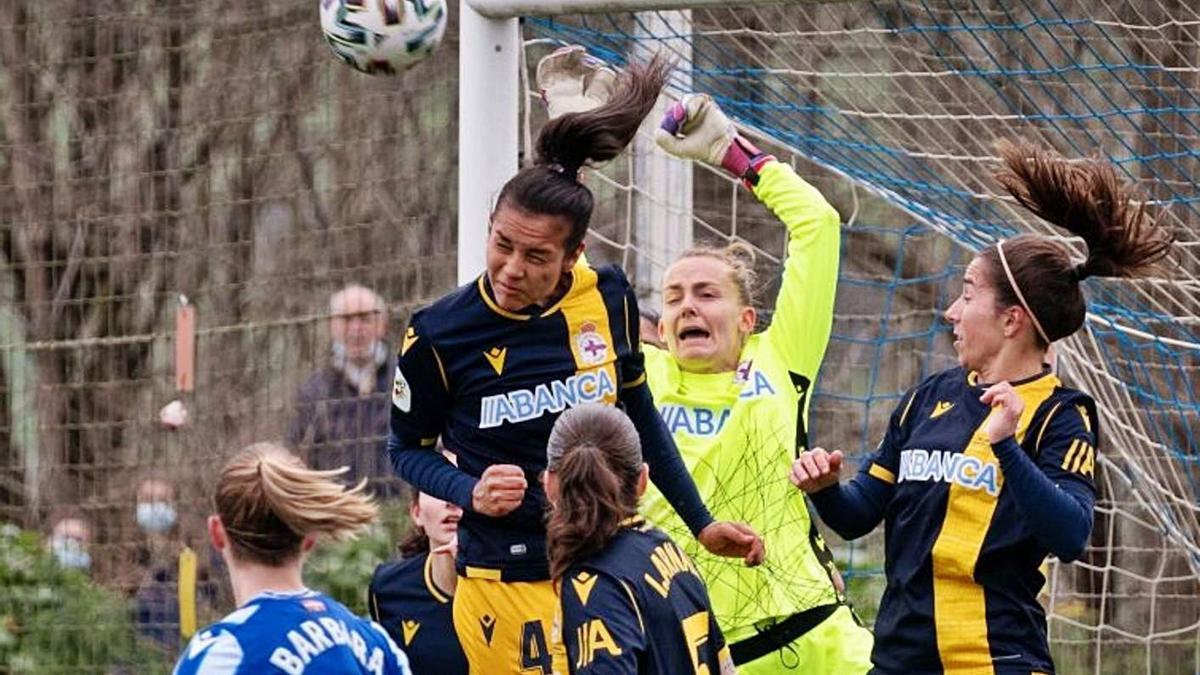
(696, 128)
(571, 81)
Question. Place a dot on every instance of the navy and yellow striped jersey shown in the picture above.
(962, 558)
(419, 616)
(640, 606)
(491, 383)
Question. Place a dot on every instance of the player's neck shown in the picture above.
(445, 577)
(1013, 365)
(250, 579)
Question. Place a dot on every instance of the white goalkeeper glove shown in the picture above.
(696, 128)
(572, 81)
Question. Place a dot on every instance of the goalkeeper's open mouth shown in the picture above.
(692, 334)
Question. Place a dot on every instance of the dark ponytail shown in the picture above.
(566, 144)
(1088, 199)
(595, 455)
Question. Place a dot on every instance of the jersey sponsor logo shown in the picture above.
(940, 408)
(593, 637)
(487, 623)
(316, 636)
(401, 392)
(313, 605)
(583, 583)
(669, 562)
(705, 422)
(410, 628)
(495, 358)
(523, 405)
(591, 345)
(943, 466)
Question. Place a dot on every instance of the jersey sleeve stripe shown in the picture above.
(636, 383)
(904, 415)
(441, 369)
(882, 473)
(1037, 446)
(636, 609)
(628, 333)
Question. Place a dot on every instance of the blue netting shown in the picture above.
(943, 81)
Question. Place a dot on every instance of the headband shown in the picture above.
(1017, 290)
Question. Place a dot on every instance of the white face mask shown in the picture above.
(70, 553)
(156, 517)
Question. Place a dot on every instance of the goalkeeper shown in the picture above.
(736, 404)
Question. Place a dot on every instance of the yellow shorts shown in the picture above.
(509, 627)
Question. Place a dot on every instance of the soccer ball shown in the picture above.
(383, 36)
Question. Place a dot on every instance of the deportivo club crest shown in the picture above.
(591, 345)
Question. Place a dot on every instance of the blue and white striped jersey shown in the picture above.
(293, 633)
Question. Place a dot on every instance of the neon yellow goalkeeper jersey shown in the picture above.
(739, 432)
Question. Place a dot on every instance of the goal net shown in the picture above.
(892, 109)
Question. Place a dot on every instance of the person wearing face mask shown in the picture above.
(987, 468)
(412, 597)
(156, 600)
(70, 539)
(341, 410)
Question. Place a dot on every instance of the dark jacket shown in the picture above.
(334, 426)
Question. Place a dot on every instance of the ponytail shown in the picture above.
(591, 505)
(596, 456)
(269, 502)
(1087, 199)
(566, 144)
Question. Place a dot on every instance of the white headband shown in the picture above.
(1016, 289)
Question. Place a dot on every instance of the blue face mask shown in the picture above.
(156, 517)
(70, 553)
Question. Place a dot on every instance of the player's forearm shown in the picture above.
(667, 470)
(853, 508)
(1061, 519)
(430, 473)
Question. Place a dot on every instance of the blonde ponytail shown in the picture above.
(269, 502)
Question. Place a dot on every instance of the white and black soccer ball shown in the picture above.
(383, 36)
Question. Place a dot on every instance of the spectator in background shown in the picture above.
(157, 597)
(341, 416)
(70, 541)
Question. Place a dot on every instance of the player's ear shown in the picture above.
(550, 483)
(414, 509)
(308, 543)
(746, 319)
(643, 479)
(216, 533)
(573, 257)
